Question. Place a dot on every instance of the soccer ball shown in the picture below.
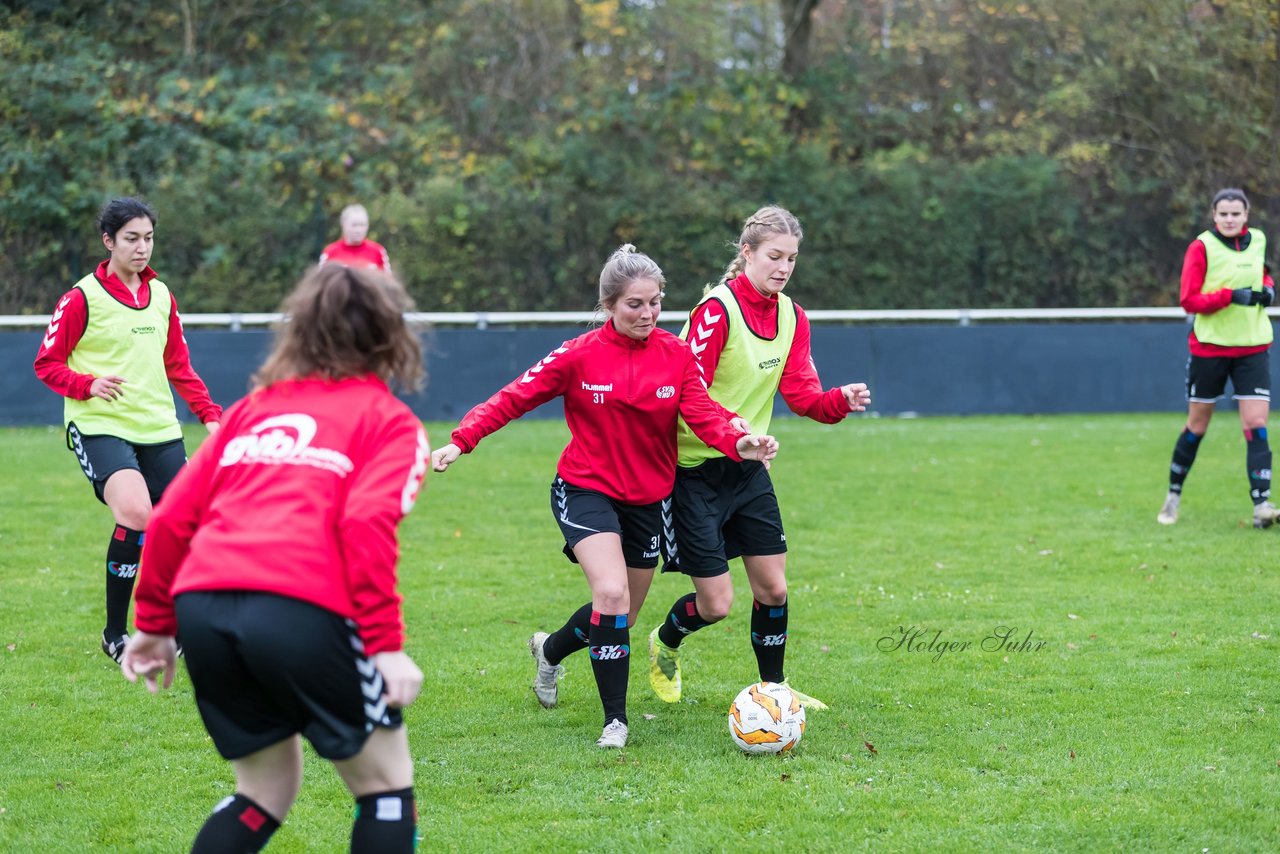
(766, 718)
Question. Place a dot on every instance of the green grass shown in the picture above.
(1145, 720)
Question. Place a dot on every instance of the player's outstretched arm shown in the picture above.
(443, 457)
(401, 678)
(148, 656)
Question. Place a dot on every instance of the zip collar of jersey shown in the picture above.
(613, 336)
(1239, 243)
(120, 292)
(748, 295)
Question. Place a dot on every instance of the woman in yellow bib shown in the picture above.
(1227, 287)
(750, 342)
(113, 346)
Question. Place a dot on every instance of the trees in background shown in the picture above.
(939, 152)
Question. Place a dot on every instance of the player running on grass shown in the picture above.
(112, 348)
(624, 385)
(274, 553)
(750, 342)
(1226, 286)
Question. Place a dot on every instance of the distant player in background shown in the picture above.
(274, 553)
(750, 342)
(354, 249)
(112, 348)
(624, 385)
(1227, 287)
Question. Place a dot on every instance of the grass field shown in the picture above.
(1141, 713)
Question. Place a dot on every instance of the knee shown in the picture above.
(773, 592)
(132, 514)
(610, 598)
(1255, 423)
(714, 607)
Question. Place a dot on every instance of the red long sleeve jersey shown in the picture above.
(1195, 265)
(366, 253)
(299, 494)
(71, 318)
(621, 398)
(800, 386)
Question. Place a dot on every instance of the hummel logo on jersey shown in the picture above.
(667, 391)
(52, 334)
(597, 386)
(122, 570)
(768, 640)
(284, 440)
(530, 374)
(770, 364)
(610, 651)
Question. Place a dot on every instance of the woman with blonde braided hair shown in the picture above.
(750, 342)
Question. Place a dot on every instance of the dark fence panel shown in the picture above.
(926, 369)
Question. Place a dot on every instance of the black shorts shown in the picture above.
(265, 667)
(583, 512)
(1250, 377)
(722, 509)
(102, 456)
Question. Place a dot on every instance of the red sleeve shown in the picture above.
(177, 365)
(168, 539)
(525, 393)
(383, 491)
(65, 328)
(707, 419)
(1194, 265)
(800, 386)
(708, 332)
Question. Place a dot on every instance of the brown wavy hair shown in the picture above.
(344, 322)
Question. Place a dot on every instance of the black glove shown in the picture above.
(1264, 297)
(1242, 296)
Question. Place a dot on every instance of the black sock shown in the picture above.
(237, 824)
(1184, 454)
(769, 639)
(569, 638)
(683, 619)
(611, 662)
(1258, 458)
(385, 822)
(123, 553)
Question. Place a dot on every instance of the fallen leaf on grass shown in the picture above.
(11, 647)
(848, 757)
(1211, 767)
(825, 648)
(649, 717)
(1046, 551)
(1072, 646)
(871, 747)
(1173, 634)
(1072, 617)
(457, 533)
(785, 777)
(1072, 754)
(1255, 634)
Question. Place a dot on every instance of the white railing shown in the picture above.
(484, 319)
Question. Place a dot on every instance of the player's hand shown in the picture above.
(1242, 296)
(442, 458)
(1264, 297)
(761, 448)
(739, 424)
(212, 427)
(857, 396)
(401, 678)
(149, 656)
(107, 388)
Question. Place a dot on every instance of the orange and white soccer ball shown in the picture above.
(766, 718)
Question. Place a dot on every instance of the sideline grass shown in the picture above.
(1144, 719)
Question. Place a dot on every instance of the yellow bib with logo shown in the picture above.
(127, 342)
(1235, 325)
(747, 375)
